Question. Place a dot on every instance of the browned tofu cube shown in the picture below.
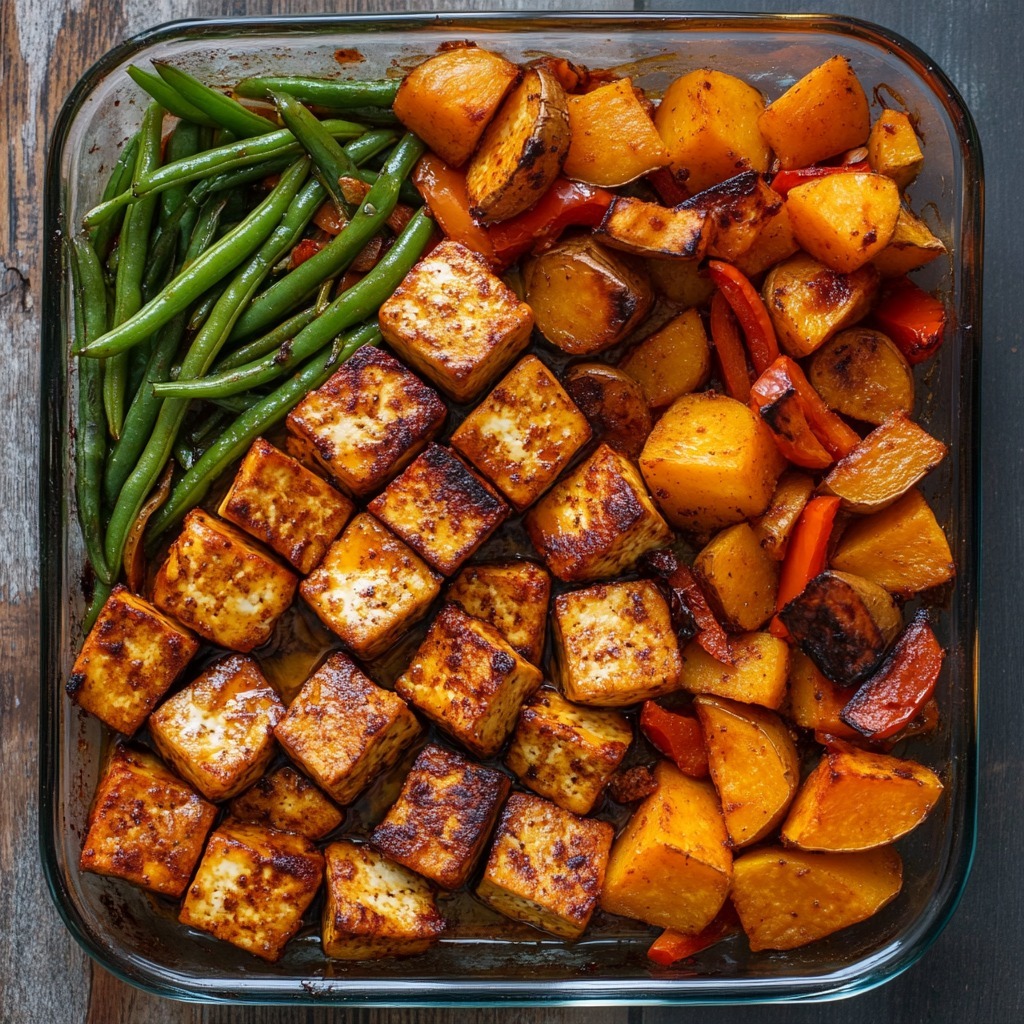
(280, 502)
(253, 886)
(370, 588)
(440, 508)
(465, 677)
(546, 866)
(455, 321)
(565, 752)
(217, 582)
(375, 908)
(524, 433)
(218, 733)
(145, 824)
(596, 521)
(129, 660)
(512, 596)
(286, 800)
(344, 729)
(615, 645)
(440, 823)
(368, 420)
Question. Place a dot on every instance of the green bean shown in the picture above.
(268, 342)
(371, 115)
(120, 179)
(239, 403)
(169, 97)
(352, 306)
(323, 92)
(223, 110)
(258, 419)
(100, 593)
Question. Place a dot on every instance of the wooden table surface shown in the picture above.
(972, 973)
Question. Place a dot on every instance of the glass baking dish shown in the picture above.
(484, 960)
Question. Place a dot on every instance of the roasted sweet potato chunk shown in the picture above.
(774, 527)
(614, 405)
(673, 361)
(739, 576)
(657, 232)
(893, 149)
(738, 210)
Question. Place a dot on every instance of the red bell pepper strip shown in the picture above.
(671, 945)
(901, 687)
(805, 555)
(678, 736)
(785, 180)
(750, 311)
(732, 359)
(444, 190)
(913, 318)
(785, 414)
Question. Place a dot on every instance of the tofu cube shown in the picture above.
(218, 733)
(597, 521)
(368, 420)
(286, 800)
(565, 752)
(145, 825)
(524, 433)
(375, 908)
(278, 501)
(512, 596)
(456, 322)
(344, 730)
(370, 588)
(219, 583)
(442, 819)
(615, 645)
(440, 508)
(129, 660)
(253, 886)
(546, 866)
(467, 679)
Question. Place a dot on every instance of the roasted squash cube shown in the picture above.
(145, 825)
(129, 660)
(218, 733)
(467, 679)
(597, 521)
(524, 433)
(278, 501)
(286, 800)
(546, 866)
(893, 149)
(343, 729)
(673, 361)
(253, 886)
(740, 578)
(566, 752)
(440, 508)
(512, 596)
(814, 701)
(374, 907)
(368, 420)
(456, 322)
(440, 823)
(370, 588)
(615, 645)
(758, 673)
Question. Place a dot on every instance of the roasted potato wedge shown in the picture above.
(893, 149)
(614, 405)
(673, 361)
(738, 210)
(739, 577)
(683, 282)
(757, 676)
(773, 529)
(912, 245)
(654, 231)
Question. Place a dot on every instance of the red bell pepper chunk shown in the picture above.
(775, 399)
(901, 687)
(732, 360)
(711, 636)
(671, 945)
(750, 311)
(913, 318)
(306, 248)
(678, 736)
(785, 180)
(444, 190)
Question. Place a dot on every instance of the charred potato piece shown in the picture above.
(523, 149)
(654, 231)
(774, 527)
(613, 403)
(912, 245)
(673, 361)
(740, 578)
(738, 210)
(893, 149)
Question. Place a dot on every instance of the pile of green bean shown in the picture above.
(193, 335)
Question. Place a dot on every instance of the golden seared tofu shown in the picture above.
(370, 588)
(455, 321)
(367, 421)
(512, 596)
(145, 825)
(566, 752)
(286, 800)
(253, 885)
(466, 677)
(218, 733)
(129, 660)
(442, 819)
(344, 729)
(280, 502)
(524, 433)
(374, 907)
(222, 585)
(596, 521)
(546, 866)
(440, 508)
(615, 645)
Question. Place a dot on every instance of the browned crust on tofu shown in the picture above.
(286, 800)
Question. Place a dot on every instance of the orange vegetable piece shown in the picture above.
(678, 736)
(444, 190)
(750, 311)
(732, 359)
(913, 319)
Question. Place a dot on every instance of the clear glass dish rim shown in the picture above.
(854, 978)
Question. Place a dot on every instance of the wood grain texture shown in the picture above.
(971, 974)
